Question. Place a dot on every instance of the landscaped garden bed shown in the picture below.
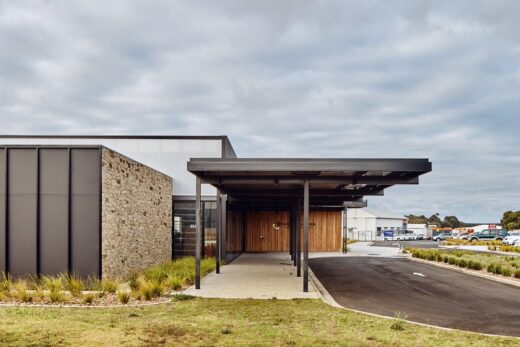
(155, 284)
(457, 242)
(500, 265)
(505, 248)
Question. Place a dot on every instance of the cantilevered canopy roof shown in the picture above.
(332, 181)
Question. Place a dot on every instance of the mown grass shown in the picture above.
(503, 265)
(219, 322)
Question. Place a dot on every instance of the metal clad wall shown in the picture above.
(85, 211)
(2, 211)
(54, 178)
(22, 193)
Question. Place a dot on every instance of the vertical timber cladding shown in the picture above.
(54, 219)
(85, 194)
(324, 231)
(22, 216)
(267, 231)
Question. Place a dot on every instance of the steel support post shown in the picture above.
(218, 232)
(306, 236)
(223, 225)
(298, 240)
(198, 232)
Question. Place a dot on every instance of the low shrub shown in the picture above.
(506, 270)
(21, 292)
(88, 298)
(5, 283)
(517, 273)
(56, 296)
(149, 289)
(174, 282)
(453, 260)
(123, 296)
(39, 292)
(475, 265)
(109, 285)
(74, 285)
(133, 281)
(53, 283)
(462, 262)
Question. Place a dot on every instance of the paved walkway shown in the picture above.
(256, 276)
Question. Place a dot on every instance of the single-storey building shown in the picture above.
(369, 224)
(419, 229)
(105, 206)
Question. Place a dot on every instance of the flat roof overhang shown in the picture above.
(333, 182)
(298, 185)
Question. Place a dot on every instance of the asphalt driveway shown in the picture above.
(421, 292)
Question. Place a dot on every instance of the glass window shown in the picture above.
(184, 228)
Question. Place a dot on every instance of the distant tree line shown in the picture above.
(435, 219)
(510, 221)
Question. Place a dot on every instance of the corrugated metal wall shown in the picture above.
(50, 210)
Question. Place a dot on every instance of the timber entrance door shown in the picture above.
(267, 231)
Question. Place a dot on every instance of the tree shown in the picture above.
(413, 219)
(452, 222)
(511, 220)
(435, 220)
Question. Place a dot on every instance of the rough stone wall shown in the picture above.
(136, 216)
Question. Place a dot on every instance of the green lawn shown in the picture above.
(221, 322)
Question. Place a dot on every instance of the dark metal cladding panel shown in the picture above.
(54, 177)
(2, 211)
(86, 211)
(22, 211)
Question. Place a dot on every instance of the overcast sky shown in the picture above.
(435, 79)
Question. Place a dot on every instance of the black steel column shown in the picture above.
(38, 217)
(223, 221)
(6, 156)
(306, 236)
(298, 240)
(218, 232)
(198, 232)
(69, 212)
(291, 238)
(345, 232)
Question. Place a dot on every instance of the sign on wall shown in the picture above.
(389, 233)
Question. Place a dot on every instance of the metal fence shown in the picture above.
(362, 235)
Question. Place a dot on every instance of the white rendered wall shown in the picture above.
(169, 156)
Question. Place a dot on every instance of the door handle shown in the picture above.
(261, 236)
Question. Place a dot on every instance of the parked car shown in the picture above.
(420, 237)
(401, 237)
(441, 237)
(511, 240)
(489, 234)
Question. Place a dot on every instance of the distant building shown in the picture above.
(368, 224)
(419, 229)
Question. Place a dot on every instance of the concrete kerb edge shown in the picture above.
(468, 272)
(328, 299)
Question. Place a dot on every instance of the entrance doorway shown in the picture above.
(267, 231)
